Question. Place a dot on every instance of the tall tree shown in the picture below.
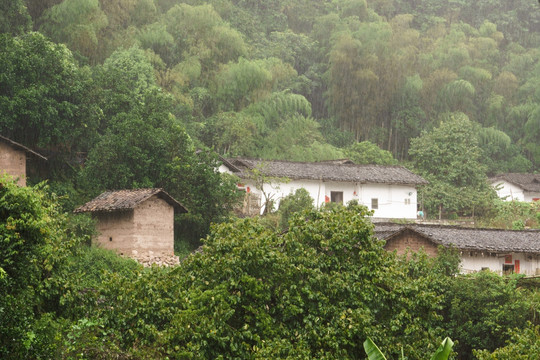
(42, 94)
(77, 24)
(14, 17)
(449, 158)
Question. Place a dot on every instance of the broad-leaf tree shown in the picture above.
(450, 159)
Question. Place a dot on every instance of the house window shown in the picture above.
(374, 203)
(336, 197)
(508, 269)
(407, 201)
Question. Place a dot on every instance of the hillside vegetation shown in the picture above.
(146, 93)
(131, 88)
(314, 292)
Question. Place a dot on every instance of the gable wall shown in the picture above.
(412, 242)
(13, 162)
(508, 191)
(154, 227)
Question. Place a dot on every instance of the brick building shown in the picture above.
(136, 223)
(13, 158)
(501, 251)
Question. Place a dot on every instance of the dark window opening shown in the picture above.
(508, 269)
(336, 196)
(110, 238)
(374, 203)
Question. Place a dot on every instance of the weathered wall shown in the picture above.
(154, 227)
(508, 191)
(116, 231)
(13, 162)
(412, 242)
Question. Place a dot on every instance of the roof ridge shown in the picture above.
(21, 146)
(458, 227)
(323, 162)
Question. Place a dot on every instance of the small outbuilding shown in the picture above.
(501, 251)
(13, 159)
(136, 223)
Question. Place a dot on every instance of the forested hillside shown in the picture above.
(122, 93)
(287, 79)
(146, 93)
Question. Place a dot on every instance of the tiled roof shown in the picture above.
(327, 171)
(528, 182)
(21, 147)
(492, 240)
(126, 199)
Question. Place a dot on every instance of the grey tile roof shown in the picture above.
(528, 182)
(126, 199)
(491, 240)
(16, 145)
(327, 171)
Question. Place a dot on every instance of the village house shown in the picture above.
(13, 158)
(136, 223)
(501, 251)
(390, 191)
(516, 186)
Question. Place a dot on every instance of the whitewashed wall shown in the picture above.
(531, 196)
(475, 261)
(508, 191)
(391, 198)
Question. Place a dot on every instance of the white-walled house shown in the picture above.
(517, 186)
(501, 251)
(390, 191)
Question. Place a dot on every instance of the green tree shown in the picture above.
(313, 292)
(499, 154)
(42, 94)
(450, 159)
(483, 307)
(366, 152)
(199, 32)
(522, 345)
(14, 18)
(295, 202)
(77, 24)
(34, 243)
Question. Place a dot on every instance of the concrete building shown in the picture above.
(13, 158)
(136, 223)
(390, 191)
(517, 186)
(501, 251)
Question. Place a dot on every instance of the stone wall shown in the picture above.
(13, 162)
(409, 240)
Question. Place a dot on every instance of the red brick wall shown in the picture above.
(412, 241)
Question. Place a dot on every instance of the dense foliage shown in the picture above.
(449, 158)
(292, 80)
(316, 291)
